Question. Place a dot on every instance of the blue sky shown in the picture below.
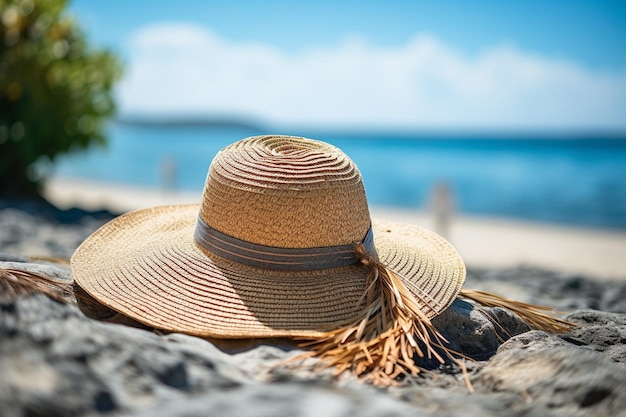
(406, 64)
(590, 32)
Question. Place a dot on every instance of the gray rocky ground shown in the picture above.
(56, 361)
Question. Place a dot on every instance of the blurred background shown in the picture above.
(508, 109)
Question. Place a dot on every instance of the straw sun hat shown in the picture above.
(281, 245)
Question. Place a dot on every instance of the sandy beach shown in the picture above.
(484, 242)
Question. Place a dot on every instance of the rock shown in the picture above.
(477, 332)
(56, 360)
(45, 231)
(9, 257)
(563, 292)
(601, 332)
(574, 381)
(288, 399)
(532, 340)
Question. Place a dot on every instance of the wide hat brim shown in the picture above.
(146, 265)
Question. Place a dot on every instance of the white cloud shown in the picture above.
(181, 68)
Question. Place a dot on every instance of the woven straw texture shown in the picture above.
(285, 192)
(275, 191)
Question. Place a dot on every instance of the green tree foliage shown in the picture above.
(55, 91)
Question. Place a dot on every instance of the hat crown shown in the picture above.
(287, 192)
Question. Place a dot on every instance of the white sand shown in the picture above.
(482, 241)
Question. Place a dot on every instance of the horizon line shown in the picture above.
(254, 124)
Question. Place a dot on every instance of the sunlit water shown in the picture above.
(573, 181)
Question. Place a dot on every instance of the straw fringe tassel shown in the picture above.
(17, 282)
(381, 344)
(536, 316)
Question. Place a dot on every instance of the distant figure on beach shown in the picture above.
(169, 172)
(441, 203)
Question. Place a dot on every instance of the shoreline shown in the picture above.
(483, 241)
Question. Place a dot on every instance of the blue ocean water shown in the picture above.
(578, 181)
